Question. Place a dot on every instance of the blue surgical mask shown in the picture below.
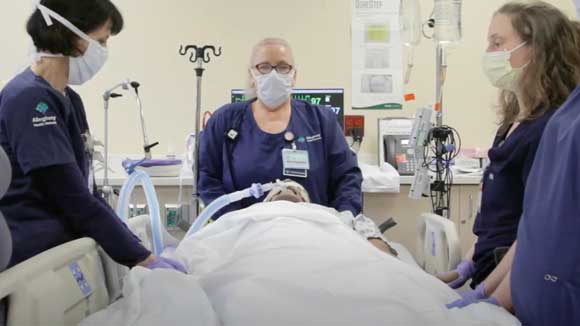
(274, 89)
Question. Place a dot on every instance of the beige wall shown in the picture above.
(319, 30)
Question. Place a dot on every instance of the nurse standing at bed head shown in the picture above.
(271, 136)
(272, 74)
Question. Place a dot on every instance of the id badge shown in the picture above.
(295, 163)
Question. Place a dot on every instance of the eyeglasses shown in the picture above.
(266, 68)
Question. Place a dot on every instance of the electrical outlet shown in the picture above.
(172, 216)
(352, 122)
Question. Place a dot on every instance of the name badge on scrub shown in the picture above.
(295, 163)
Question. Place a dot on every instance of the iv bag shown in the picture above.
(410, 19)
(447, 16)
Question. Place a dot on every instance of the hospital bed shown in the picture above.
(59, 287)
(64, 285)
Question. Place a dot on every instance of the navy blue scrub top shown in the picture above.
(503, 186)
(225, 166)
(39, 128)
(545, 278)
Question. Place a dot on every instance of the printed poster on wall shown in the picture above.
(377, 55)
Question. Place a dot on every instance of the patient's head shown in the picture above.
(288, 190)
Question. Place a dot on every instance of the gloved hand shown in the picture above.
(469, 297)
(166, 263)
(464, 271)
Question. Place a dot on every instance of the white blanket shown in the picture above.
(297, 264)
(158, 297)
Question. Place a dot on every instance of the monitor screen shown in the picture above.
(331, 98)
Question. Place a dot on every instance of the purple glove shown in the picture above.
(465, 270)
(469, 297)
(166, 263)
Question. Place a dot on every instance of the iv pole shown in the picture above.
(446, 22)
(199, 55)
(440, 71)
(441, 21)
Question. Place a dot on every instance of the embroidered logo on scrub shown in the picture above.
(42, 107)
(43, 121)
(313, 138)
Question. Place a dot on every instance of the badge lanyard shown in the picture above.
(295, 162)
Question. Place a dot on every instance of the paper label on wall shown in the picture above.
(377, 59)
(396, 126)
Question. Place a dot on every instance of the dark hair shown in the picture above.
(554, 70)
(87, 15)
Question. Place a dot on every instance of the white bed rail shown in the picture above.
(59, 287)
(438, 247)
(65, 284)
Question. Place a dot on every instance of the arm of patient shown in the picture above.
(369, 230)
(383, 246)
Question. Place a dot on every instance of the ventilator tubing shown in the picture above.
(140, 177)
(256, 191)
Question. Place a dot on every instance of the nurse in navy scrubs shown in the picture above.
(43, 129)
(274, 137)
(543, 286)
(534, 57)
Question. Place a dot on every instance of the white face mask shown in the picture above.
(274, 89)
(499, 70)
(86, 66)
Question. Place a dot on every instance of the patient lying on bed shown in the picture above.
(283, 263)
(293, 192)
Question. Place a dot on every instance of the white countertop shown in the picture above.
(118, 176)
(458, 179)
(117, 180)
